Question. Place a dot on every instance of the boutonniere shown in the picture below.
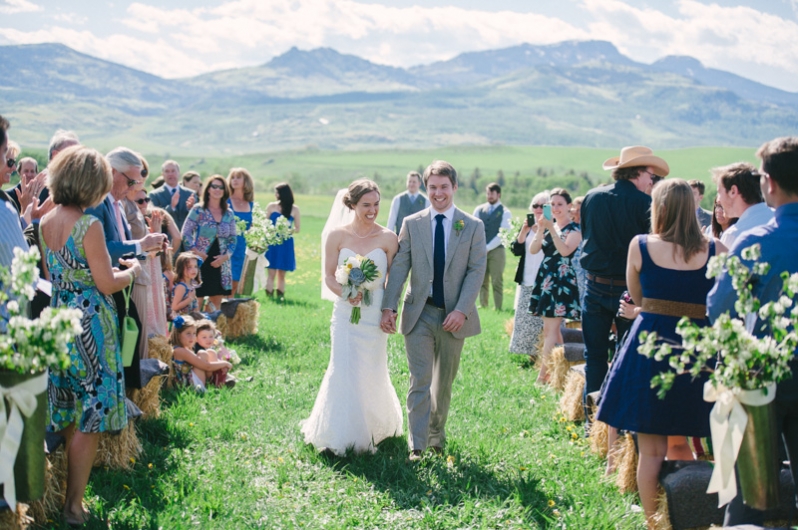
(458, 226)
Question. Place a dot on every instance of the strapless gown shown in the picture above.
(357, 406)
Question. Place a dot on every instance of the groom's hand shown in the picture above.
(388, 321)
(454, 321)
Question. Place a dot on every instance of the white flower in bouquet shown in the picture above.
(263, 234)
(353, 262)
(342, 275)
(357, 274)
(509, 235)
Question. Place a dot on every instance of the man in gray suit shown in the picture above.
(172, 197)
(445, 248)
(704, 217)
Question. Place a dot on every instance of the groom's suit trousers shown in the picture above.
(433, 357)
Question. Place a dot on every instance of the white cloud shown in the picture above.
(71, 18)
(10, 7)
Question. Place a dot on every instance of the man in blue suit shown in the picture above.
(172, 197)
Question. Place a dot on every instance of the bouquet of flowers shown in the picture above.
(358, 274)
(509, 235)
(263, 234)
(32, 346)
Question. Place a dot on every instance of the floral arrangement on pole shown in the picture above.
(747, 368)
(262, 234)
(358, 274)
(31, 346)
(509, 235)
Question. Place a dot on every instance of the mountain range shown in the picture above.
(571, 93)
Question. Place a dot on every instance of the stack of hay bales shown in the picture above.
(238, 318)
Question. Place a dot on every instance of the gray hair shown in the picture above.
(60, 140)
(543, 195)
(123, 158)
(170, 162)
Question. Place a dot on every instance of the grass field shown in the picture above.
(234, 459)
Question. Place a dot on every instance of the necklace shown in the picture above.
(371, 231)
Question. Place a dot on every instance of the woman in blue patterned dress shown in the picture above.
(90, 394)
(210, 232)
(556, 295)
(281, 257)
(242, 193)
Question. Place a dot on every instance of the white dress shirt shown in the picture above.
(756, 215)
(394, 212)
(447, 230)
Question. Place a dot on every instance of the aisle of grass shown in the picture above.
(235, 459)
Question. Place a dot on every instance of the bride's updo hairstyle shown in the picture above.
(673, 217)
(357, 189)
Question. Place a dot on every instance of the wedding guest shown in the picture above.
(172, 197)
(494, 215)
(778, 241)
(281, 257)
(720, 223)
(191, 369)
(611, 216)
(576, 261)
(60, 141)
(156, 320)
(740, 195)
(193, 181)
(242, 193)
(526, 326)
(187, 278)
(210, 348)
(704, 217)
(89, 397)
(210, 233)
(28, 169)
(555, 295)
(675, 253)
(407, 203)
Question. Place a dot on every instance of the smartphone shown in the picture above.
(547, 211)
(530, 220)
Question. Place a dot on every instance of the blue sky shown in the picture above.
(181, 38)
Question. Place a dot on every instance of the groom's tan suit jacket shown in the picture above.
(466, 259)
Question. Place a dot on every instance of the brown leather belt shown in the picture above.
(674, 309)
(605, 281)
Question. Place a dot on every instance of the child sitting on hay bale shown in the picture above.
(191, 369)
(210, 341)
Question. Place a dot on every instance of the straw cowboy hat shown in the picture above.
(638, 156)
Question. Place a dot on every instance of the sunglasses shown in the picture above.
(145, 200)
(216, 186)
(534, 206)
(130, 181)
(11, 162)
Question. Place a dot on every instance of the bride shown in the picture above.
(357, 406)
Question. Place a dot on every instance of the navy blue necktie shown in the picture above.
(439, 260)
(173, 191)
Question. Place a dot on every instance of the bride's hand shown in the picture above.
(356, 300)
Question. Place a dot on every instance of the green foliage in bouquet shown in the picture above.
(744, 361)
(263, 234)
(509, 235)
(32, 345)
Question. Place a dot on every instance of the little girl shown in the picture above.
(192, 370)
(187, 279)
(209, 341)
(168, 273)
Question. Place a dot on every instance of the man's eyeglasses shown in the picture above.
(11, 162)
(145, 200)
(535, 206)
(216, 186)
(130, 181)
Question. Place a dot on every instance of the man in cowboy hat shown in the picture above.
(612, 216)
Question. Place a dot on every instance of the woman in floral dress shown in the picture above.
(556, 295)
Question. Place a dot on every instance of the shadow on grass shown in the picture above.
(448, 480)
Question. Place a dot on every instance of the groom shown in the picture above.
(445, 247)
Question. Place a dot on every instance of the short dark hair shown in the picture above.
(744, 176)
(494, 186)
(697, 184)
(440, 168)
(4, 126)
(562, 193)
(780, 161)
(627, 173)
(414, 174)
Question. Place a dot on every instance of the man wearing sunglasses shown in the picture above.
(126, 169)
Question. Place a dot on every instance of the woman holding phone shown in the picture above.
(526, 326)
(555, 295)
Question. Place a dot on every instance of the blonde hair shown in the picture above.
(249, 185)
(79, 176)
(13, 150)
(174, 336)
(673, 218)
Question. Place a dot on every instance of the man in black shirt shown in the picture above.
(611, 216)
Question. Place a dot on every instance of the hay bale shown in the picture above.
(509, 326)
(55, 476)
(558, 367)
(245, 321)
(661, 520)
(573, 324)
(118, 451)
(625, 456)
(16, 521)
(571, 400)
(148, 399)
(599, 438)
(160, 349)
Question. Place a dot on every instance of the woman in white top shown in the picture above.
(527, 327)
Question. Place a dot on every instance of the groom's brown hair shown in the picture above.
(440, 168)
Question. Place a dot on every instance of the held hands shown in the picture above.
(153, 242)
(388, 321)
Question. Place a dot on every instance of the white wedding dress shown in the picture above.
(357, 406)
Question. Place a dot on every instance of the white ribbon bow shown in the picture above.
(727, 422)
(21, 398)
(260, 263)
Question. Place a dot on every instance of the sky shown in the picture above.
(757, 39)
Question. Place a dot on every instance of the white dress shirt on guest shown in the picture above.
(756, 215)
(506, 217)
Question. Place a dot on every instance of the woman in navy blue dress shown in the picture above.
(281, 257)
(242, 193)
(666, 276)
